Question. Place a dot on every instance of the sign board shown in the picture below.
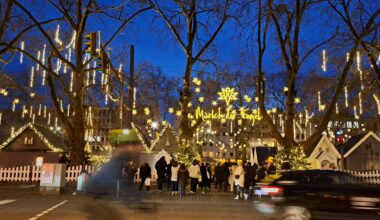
(47, 173)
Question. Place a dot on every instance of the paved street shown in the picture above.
(25, 202)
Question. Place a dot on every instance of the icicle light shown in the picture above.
(33, 118)
(39, 110)
(38, 58)
(106, 96)
(65, 65)
(31, 80)
(346, 96)
(378, 60)
(360, 104)
(356, 112)
(320, 106)
(377, 102)
(49, 117)
(61, 105)
(23, 111)
(44, 111)
(347, 56)
(94, 74)
(72, 41)
(56, 38)
(1, 116)
(68, 110)
(55, 123)
(22, 45)
(12, 131)
(31, 111)
(324, 61)
(337, 108)
(71, 80)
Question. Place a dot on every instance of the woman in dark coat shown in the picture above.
(183, 175)
(145, 172)
(219, 176)
(161, 171)
(205, 177)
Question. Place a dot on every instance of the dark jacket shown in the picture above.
(145, 171)
(226, 170)
(205, 177)
(183, 175)
(161, 167)
(219, 174)
(249, 175)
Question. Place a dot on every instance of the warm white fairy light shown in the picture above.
(377, 102)
(134, 98)
(61, 105)
(39, 110)
(43, 62)
(324, 61)
(320, 106)
(90, 116)
(38, 58)
(360, 104)
(88, 75)
(56, 123)
(106, 96)
(14, 103)
(12, 131)
(43, 77)
(56, 38)
(45, 111)
(31, 80)
(72, 41)
(58, 66)
(346, 96)
(378, 60)
(22, 45)
(23, 111)
(94, 74)
(347, 56)
(1, 115)
(33, 118)
(71, 80)
(69, 55)
(31, 111)
(358, 66)
(356, 112)
(337, 108)
(49, 117)
(65, 65)
(120, 68)
(68, 110)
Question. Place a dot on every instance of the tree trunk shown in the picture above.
(186, 132)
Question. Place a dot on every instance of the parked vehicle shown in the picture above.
(319, 194)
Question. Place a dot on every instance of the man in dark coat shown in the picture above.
(169, 173)
(226, 174)
(219, 176)
(161, 170)
(145, 172)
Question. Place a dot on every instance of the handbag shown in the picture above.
(147, 182)
(237, 176)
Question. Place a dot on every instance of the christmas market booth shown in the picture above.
(32, 144)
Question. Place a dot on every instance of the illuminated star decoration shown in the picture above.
(227, 94)
(197, 90)
(146, 111)
(201, 99)
(154, 125)
(297, 100)
(247, 99)
(214, 103)
(171, 110)
(196, 81)
(179, 113)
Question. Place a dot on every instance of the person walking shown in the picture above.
(130, 171)
(183, 175)
(194, 173)
(145, 172)
(226, 174)
(239, 180)
(249, 174)
(205, 177)
(231, 179)
(169, 174)
(219, 176)
(174, 177)
(161, 170)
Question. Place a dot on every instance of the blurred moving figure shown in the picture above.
(161, 170)
(145, 174)
(130, 171)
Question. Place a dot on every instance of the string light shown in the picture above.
(347, 56)
(38, 58)
(43, 77)
(360, 104)
(324, 61)
(21, 53)
(49, 117)
(358, 65)
(71, 80)
(12, 131)
(346, 96)
(336, 108)
(355, 112)
(23, 111)
(61, 105)
(44, 111)
(94, 74)
(33, 118)
(31, 81)
(1, 115)
(378, 60)
(106, 96)
(68, 110)
(14, 103)
(31, 111)
(56, 38)
(56, 123)
(43, 62)
(58, 66)
(72, 41)
(320, 106)
(377, 102)
(39, 110)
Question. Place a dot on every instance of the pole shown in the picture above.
(131, 85)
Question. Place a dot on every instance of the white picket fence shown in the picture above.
(369, 177)
(33, 173)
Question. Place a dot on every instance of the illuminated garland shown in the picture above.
(39, 134)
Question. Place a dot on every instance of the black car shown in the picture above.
(319, 194)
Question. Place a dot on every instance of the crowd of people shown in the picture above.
(240, 177)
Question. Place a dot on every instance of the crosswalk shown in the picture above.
(5, 201)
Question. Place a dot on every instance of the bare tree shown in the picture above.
(195, 36)
(76, 17)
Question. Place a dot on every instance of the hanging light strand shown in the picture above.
(324, 61)
(22, 45)
(31, 80)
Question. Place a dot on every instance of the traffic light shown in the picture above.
(339, 137)
(101, 63)
(90, 44)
